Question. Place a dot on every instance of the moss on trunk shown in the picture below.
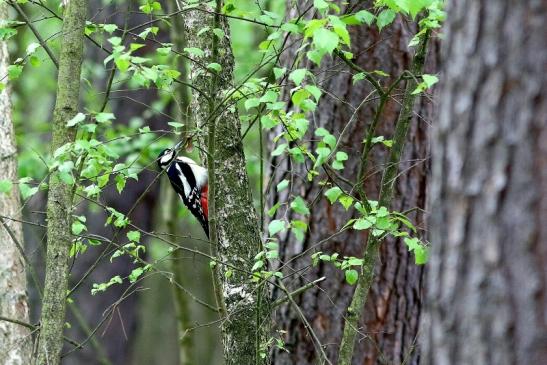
(59, 204)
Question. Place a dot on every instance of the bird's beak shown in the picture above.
(177, 146)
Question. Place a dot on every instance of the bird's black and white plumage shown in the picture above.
(189, 181)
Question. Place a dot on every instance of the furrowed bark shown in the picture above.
(59, 204)
(15, 340)
(386, 193)
(487, 283)
(390, 318)
(233, 221)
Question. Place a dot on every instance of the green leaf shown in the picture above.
(268, 122)
(325, 40)
(320, 4)
(78, 227)
(316, 56)
(279, 149)
(358, 77)
(32, 47)
(314, 90)
(330, 140)
(7, 33)
(283, 185)
(269, 97)
(219, 33)
(104, 117)
(346, 201)
(115, 41)
(299, 206)
(364, 16)
(290, 27)
(193, 51)
(421, 255)
(430, 80)
(35, 61)
(120, 182)
(175, 125)
(110, 28)
(340, 28)
(341, 156)
(251, 103)
(299, 97)
(258, 265)
(5, 186)
(278, 72)
(14, 71)
(135, 274)
(297, 76)
(272, 210)
(385, 18)
(351, 276)
(276, 226)
(333, 194)
(362, 223)
(214, 66)
(78, 118)
(164, 51)
(272, 245)
(122, 63)
(134, 236)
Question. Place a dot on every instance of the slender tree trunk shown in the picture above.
(15, 340)
(233, 221)
(389, 320)
(487, 286)
(389, 175)
(59, 205)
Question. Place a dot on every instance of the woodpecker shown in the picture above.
(189, 181)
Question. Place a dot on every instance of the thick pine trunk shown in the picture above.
(59, 204)
(389, 322)
(487, 284)
(15, 340)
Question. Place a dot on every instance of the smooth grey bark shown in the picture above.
(389, 321)
(487, 283)
(15, 340)
(232, 219)
(59, 204)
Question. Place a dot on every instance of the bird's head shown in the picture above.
(166, 156)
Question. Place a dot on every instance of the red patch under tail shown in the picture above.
(204, 202)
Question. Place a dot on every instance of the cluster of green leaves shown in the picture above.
(260, 266)
(320, 37)
(346, 264)
(381, 222)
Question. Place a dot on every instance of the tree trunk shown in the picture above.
(15, 339)
(233, 222)
(389, 322)
(487, 286)
(59, 205)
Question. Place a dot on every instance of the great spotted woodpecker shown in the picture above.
(189, 181)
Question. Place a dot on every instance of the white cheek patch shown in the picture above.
(166, 158)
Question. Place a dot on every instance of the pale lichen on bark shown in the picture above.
(15, 340)
(232, 217)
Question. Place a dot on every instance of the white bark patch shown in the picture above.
(237, 293)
